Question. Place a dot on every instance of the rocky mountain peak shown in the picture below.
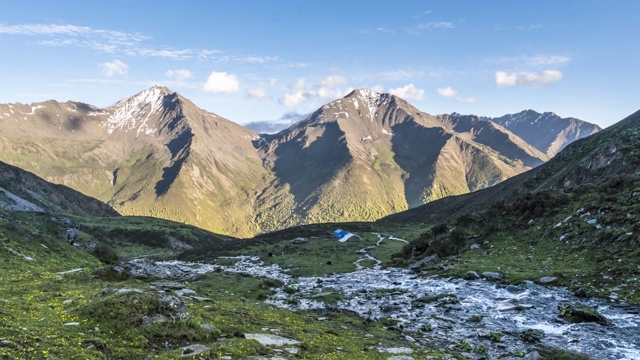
(133, 113)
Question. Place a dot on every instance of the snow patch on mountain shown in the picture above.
(34, 108)
(372, 100)
(133, 113)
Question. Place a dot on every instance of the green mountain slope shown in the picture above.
(358, 158)
(574, 219)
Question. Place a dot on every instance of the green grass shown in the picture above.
(547, 234)
(36, 303)
(319, 256)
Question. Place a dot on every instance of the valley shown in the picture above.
(540, 265)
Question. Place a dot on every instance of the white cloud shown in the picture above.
(402, 74)
(179, 74)
(327, 89)
(110, 41)
(547, 60)
(538, 60)
(273, 126)
(44, 29)
(506, 79)
(293, 99)
(116, 67)
(221, 83)
(436, 25)
(408, 92)
(163, 53)
(447, 91)
(469, 100)
(333, 80)
(330, 94)
(257, 93)
(298, 85)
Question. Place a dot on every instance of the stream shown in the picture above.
(446, 310)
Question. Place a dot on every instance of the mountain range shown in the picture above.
(360, 157)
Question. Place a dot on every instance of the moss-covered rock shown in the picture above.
(579, 313)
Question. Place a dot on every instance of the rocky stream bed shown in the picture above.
(462, 314)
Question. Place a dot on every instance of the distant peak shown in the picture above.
(133, 113)
(154, 92)
(364, 93)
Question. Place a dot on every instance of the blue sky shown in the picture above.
(255, 61)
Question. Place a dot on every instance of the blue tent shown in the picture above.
(339, 233)
(342, 235)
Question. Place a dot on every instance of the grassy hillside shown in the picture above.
(61, 302)
(574, 218)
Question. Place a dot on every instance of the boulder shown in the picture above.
(532, 335)
(579, 313)
(534, 355)
(270, 339)
(195, 350)
(185, 292)
(471, 275)
(424, 261)
(490, 275)
(547, 280)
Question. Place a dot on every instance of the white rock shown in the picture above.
(270, 339)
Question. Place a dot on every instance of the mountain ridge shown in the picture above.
(360, 157)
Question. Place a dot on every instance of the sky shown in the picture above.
(264, 64)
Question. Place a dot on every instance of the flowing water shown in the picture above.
(447, 306)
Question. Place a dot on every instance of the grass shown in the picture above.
(586, 238)
(36, 303)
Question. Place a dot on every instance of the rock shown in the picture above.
(71, 324)
(155, 319)
(299, 240)
(400, 357)
(270, 339)
(474, 246)
(71, 234)
(185, 292)
(4, 343)
(70, 271)
(579, 313)
(107, 291)
(389, 307)
(471, 275)
(130, 290)
(490, 275)
(195, 350)
(534, 355)
(532, 335)
(200, 299)
(445, 267)
(141, 269)
(167, 285)
(546, 280)
(177, 307)
(397, 350)
(425, 261)
(512, 305)
(292, 350)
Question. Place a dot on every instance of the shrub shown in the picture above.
(106, 254)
